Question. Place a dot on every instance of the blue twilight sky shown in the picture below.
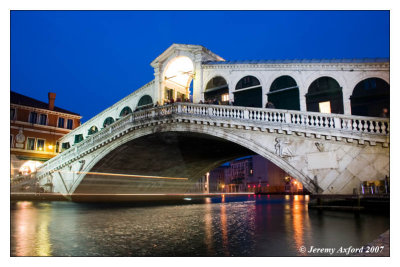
(92, 59)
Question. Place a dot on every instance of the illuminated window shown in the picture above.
(225, 97)
(30, 143)
(40, 144)
(325, 107)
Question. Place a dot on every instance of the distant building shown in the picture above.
(35, 128)
(252, 174)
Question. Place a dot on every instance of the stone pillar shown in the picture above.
(197, 79)
(158, 92)
(346, 104)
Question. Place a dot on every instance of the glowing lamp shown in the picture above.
(50, 147)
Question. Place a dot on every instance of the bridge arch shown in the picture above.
(325, 95)
(93, 130)
(125, 111)
(177, 75)
(235, 138)
(370, 96)
(108, 121)
(144, 101)
(284, 93)
(217, 87)
(248, 92)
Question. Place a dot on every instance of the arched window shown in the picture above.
(92, 130)
(248, 92)
(325, 95)
(108, 121)
(125, 111)
(284, 93)
(370, 97)
(145, 101)
(217, 89)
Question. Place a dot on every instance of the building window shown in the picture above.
(33, 117)
(12, 114)
(69, 124)
(61, 122)
(43, 119)
(30, 143)
(40, 145)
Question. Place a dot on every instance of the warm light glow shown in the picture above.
(180, 71)
(40, 149)
(225, 97)
(29, 167)
(50, 147)
(325, 107)
(130, 175)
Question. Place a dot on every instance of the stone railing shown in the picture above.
(351, 127)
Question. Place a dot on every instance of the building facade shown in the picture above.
(35, 128)
(252, 174)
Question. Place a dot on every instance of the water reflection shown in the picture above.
(234, 226)
(224, 229)
(208, 226)
(32, 235)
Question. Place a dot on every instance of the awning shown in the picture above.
(283, 90)
(216, 88)
(247, 88)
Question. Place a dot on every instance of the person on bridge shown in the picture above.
(269, 105)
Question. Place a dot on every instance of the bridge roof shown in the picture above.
(299, 61)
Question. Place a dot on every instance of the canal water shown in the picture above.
(227, 226)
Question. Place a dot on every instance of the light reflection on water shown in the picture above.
(228, 226)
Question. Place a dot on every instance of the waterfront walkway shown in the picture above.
(382, 240)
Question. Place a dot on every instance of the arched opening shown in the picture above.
(93, 130)
(125, 111)
(217, 90)
(144, 102)
(167, 162)
(108, 121)
(370, 97)
(248, 92)
(284, 93)
(78, 138)
(177, 77)
(325, 96)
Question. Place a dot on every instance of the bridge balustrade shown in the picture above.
(349, 124)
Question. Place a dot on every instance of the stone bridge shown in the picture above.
(167, 149)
